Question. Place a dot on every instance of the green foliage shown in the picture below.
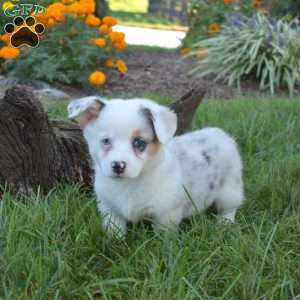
(66, 55)
(287, 7)
(52, 247)
(256, 47)
(202, 13)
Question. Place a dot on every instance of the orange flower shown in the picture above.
(67, 1)
(109, 63)
(214, 28)
(100, 42)
(121, 66)
(97, 78)
(83, 7)
(185, 51)
(229, 1)
(9, 53)
(51, 22)
(92, 20)
(110, 21)
(5, 38)
(104, 28)
(120, 45)
(74, 8)
(116, 37)
(258, 4)
(56, 11)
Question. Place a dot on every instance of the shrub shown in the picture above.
(254, 47)
(76, 45)
(206, 16)
(287, 7)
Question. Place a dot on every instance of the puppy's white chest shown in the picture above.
(141, 198)
(130, 200)
(134, 203)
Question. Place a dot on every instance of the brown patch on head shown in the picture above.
(146, 134)
(135, 133)
(153, 147)
(90, 114)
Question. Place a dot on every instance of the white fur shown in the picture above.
(185, 176)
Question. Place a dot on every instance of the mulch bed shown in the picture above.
(165, 73)
(156, 72)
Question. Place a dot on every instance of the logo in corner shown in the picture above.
(24, 31)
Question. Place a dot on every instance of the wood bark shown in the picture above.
(37, 153)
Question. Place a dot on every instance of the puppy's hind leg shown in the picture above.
(229, 199)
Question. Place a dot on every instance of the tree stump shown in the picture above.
(37, 153)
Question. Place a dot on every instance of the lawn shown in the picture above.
(133, 6)
(52, 247)
(134, 13)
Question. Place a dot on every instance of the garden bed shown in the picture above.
(163, 73)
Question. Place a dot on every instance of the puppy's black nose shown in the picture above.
(118, 167)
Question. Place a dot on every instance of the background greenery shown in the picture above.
(259, 48)
(52, 247)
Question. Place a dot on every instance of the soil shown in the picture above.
(167, 74)
(164, 73)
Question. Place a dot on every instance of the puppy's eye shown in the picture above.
(139, 144)
(106, 142)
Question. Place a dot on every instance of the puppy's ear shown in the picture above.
(163, 121)
(85, 110)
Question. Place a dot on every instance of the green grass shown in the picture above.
(133, 6)
(134, 13)
(52, 247)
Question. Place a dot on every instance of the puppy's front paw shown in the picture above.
(159, 228)
(168, 221)
(114, 225)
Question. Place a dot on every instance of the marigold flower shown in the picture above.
(258, 4)
(5, 38)
(116, 37)
(51, 22)
(82, 7)
(92, 20)
(56, 11)
(120, 45)
(229, 2)
(104, 28)
(185, 51)
(121, 66)
(214, 28)
(110, 21)
(9, 53)
(97, 78)
(100, 42)
(67, 1)
(109, 63)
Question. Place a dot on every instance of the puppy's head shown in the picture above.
(123, 136)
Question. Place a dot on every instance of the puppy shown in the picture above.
(143, 171)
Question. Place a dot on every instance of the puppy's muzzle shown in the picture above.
(118, 167)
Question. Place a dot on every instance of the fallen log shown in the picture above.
(37, 153)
